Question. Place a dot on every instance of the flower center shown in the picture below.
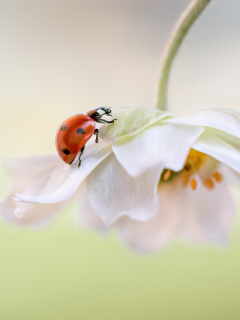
(199, 165)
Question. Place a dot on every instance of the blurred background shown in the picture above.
(62, 57)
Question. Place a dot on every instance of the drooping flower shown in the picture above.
(45, 184)
(154, 175)
(195, 204)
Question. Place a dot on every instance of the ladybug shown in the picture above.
(74, 132)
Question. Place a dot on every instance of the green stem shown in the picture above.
(179, 32)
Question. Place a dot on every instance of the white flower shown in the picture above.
(43, 185)
(155, 175)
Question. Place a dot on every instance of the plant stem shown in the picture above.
(179, 32)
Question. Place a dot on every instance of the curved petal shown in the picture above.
(24, 171)
(30, 214)
(200, 215)
(167, 144)
(89, 218)
(153, 234)
(113, 193)
(131, 120)
(219, 149)
(208, 214)
(231, 176)
(29, 174)
(65, 180)
(223, 119)
(85, 215)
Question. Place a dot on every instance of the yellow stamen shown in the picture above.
(194, 160)
(193, 184)
(209, 184)
(167, 175)
(217, 176)
(197, 164)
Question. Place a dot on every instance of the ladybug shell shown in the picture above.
(72, 135)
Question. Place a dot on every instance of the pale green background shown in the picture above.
(62, 57)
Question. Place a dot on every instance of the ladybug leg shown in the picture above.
(96, 134)
(81, 152)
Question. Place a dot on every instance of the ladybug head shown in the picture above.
(106, 110)
(96, 114)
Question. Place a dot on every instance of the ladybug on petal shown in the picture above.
(75, 131)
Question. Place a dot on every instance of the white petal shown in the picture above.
(167, 144)
(157, 232)
(223, 119)
(219, 149)
(24, 171)
(65, 180)
(89, 218)
(208, 214)
(131, 120)
(230, 175)
(29, 174)
(29, 214)
(199, 215)
(208, 167)
(113, 193)
(85, 214)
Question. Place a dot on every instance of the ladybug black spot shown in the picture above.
(80, 131)
(66, 151)
(63, 127)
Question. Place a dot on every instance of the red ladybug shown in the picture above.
(75, 131)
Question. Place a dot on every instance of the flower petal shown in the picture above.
(199, 215)
(30, 214)
(167, 144)
(25, 171)
(89, 218)
(153, 234)
(230, 175)
(208, 214)
(113, 193)
(29, 174)
(219, 149)
(65, 180)
(85, 215)
(131, 121)
(220, 118)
